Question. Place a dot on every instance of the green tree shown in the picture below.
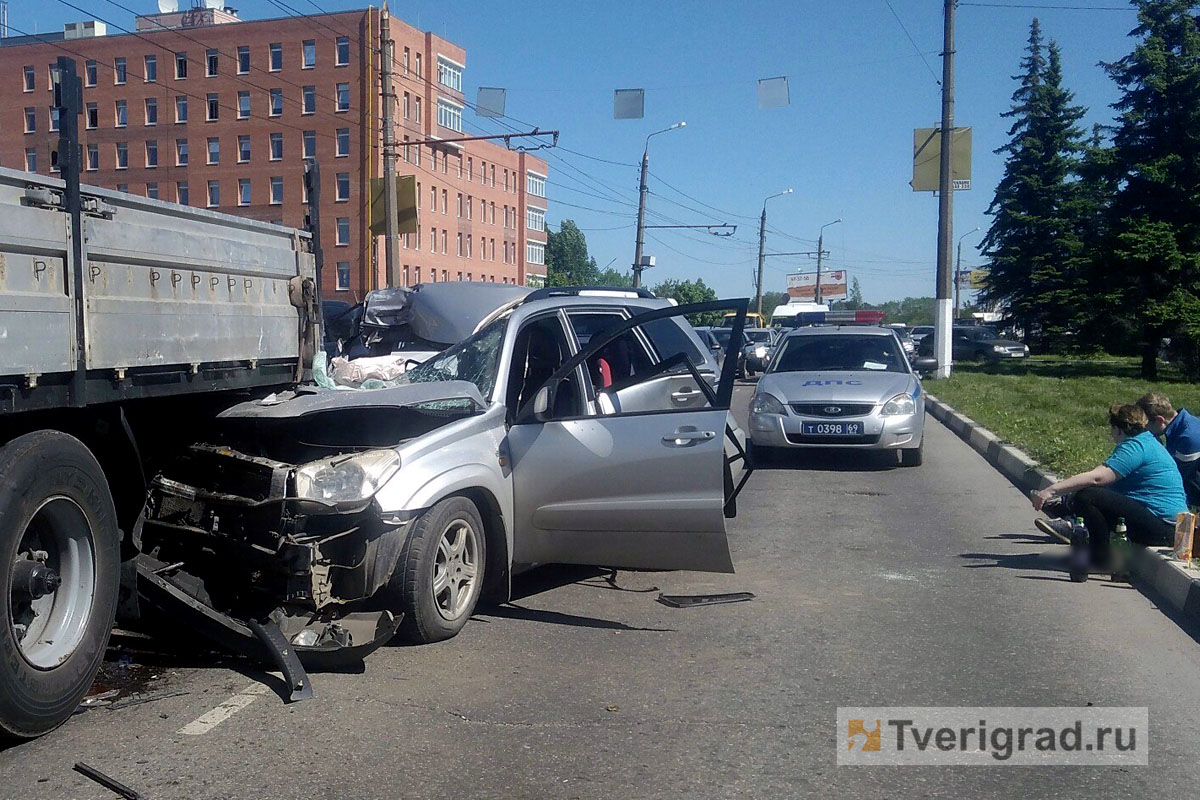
(1154, 227)
(685, 292)
(1035, 255)
(854, 298)
(567, 259)
(772, 301)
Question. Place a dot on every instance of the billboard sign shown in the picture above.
(927, 152)
(803, 285)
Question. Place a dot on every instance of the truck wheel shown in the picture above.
(59, 574)
(440, 573)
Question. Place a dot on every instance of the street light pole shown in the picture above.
(641, 217)
(762, 243)
(820, 250)
(942, 319)
(958, 270)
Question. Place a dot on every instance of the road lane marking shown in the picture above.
(211, 719)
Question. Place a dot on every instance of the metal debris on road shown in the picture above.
(107, 782)
(690, 600)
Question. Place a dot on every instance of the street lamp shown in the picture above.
(641, 218)
(762, 240)
(958, 269)
(820, 251)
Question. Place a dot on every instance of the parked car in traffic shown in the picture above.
(717, 340)
(842, 387)
(977, 343)
(919, 332)
(756, 352)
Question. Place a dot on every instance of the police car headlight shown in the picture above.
(764, 403)
(900, 404)
(346, 477)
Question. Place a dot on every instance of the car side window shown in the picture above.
(620, 359)
(539, 349)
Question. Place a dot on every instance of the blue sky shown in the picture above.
(858, 88)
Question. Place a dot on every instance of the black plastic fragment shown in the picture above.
(690, 600)
(107, 782)
(286, 659)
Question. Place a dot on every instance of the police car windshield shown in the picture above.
(839, 353)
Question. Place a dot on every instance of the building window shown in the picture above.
(151, 73)
(343, 51)
(418, 65)
(182, 196)
(343, 276)
(243, 198)
(309, 50)
(309, 93)
(121, 115)
(277, 190)
(93, 157)
(343, 97)
(276, 103)
(31, 159)
(443, 241)
(535, 253)
(404, 63)
(445, 204)
(343, 142)
(243, 60)
(407, 105)
(417, 116)
(277, 146)
(151, 110)
(119, 71)
(214, 150)
(460, 244)
(214, 194)
(343, 231)
(243, 149)
(460, 205)
(276, 61)
(122, 155)
(152, 191)
(181, 152)
(433, 240)
(122, 187)
(243, 106)
(93, 116)
(89, 73)
(449, 74)
(535, 218)
(470, 203)
(469, 246)
(181, 108)
(213, 112)
(210, 63)
(343, 187)
(180, 66)
(151, 154)
(30, 78)
(535, 184)
(449, 115)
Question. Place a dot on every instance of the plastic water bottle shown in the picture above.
(1119, 548)
(1079, 559)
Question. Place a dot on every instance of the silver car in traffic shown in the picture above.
(844, 387)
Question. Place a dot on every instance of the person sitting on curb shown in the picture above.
(1138, 481)
(1182, 433)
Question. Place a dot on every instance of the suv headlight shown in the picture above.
(900, 404)
(346, 477)
(764, 403)
(999, 348)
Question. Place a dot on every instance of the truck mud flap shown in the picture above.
(359, 633)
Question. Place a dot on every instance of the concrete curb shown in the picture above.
(1151, 566)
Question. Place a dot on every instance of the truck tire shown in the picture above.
(440, 573)
(59, 575)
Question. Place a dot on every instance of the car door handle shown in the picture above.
(688, 437)
(684, 395)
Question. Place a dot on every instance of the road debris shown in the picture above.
(690, 600)
(107, 782)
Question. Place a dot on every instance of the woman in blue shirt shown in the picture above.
(1139, 482)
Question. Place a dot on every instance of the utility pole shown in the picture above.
(958, 271)
(820, 252)
(641, 219)
(391, 240)
(942, 319)
(762, 243)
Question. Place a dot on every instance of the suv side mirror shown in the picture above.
(924, 364)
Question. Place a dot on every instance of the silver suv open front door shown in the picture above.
(642, 488)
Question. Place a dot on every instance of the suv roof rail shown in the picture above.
(576, 291)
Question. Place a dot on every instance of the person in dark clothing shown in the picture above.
(1138, 481)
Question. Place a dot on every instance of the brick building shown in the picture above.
(202, 108)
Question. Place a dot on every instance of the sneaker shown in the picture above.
(1057, 529)
(1056, 508)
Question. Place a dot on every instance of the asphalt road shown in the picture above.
(875, 586)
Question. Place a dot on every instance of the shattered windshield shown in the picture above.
(475, 359)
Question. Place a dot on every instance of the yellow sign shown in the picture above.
(406, 205)
(979, 278)
(872, 741)
(927, 152)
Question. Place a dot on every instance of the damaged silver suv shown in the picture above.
(575, 427)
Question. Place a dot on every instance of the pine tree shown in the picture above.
(567, 259)
(1155, 218)
(1033, 247)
